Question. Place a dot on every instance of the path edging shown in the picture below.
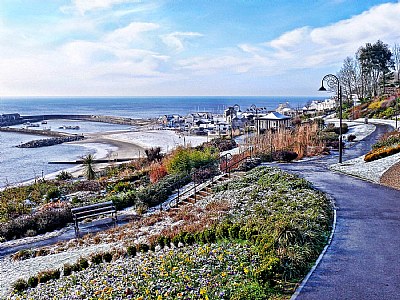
(305, 280)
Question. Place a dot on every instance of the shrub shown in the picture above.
(388, 139)
(176, 240)
(68, 269)
(252, 291)
(143, 248)
(64, 175)
(48, 218)
(33, 281)
(96, 258)
(351, 138)
(80, 265)
(183, 160)
(381, 153)
(20, 285)
(189, 239)
(161, 241)
(157, 171)
(48, 275)
(153, 154)
(221, 144)
(286, 156)
(53, 193)
(234, 231)
(22, 254)
(205, 173)
(107, 257)
(131, 250)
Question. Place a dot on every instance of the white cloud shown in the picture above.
(176, 40)
(306, 47)
(131, 32)
(83, 6)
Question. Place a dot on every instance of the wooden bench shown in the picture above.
(93, 210)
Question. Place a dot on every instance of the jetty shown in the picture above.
(96, 161)
(51, 142)
(17, 119)
(35, 132)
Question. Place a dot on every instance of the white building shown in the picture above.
(273, 120)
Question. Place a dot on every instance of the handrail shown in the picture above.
(227, 169)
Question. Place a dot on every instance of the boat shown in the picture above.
(44, 122)
(69, 127)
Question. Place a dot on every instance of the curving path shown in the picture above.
(362, 261)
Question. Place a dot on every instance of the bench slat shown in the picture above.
(81, 213)
(79, 218)
(92, 206)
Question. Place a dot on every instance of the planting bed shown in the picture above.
(253, 238)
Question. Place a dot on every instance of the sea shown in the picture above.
(19, 165)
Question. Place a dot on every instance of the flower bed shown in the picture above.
(272, 229)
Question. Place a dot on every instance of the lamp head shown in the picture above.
(322, 88)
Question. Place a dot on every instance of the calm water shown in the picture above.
(18, 165)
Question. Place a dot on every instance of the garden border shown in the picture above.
(305, 280)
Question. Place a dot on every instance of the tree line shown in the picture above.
(371, 71)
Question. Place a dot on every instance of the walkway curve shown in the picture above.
(362, 261)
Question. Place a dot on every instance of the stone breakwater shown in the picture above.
(51, 141)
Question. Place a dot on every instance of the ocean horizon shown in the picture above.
(19, 165)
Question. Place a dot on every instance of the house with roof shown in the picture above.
(273, 120)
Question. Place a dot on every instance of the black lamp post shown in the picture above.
(333, 81)
(253, 107)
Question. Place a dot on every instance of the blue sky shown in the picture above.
(188, 47)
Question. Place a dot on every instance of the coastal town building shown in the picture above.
(273, 120)
(318, 106)
(285, 109)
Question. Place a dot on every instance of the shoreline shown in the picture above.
(124, 144)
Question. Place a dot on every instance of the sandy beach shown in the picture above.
(129, 144)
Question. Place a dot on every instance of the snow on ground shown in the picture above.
(11, 270)
(356, 127)
(371, 171)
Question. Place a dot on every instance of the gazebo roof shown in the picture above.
(274, 116)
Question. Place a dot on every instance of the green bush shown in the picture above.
(64, 175)
(20, 285)
(53, 193)
(253, 291)
(96, 258)
(183, 160)
(392, 140)
(161, 241)
(143, 248)
(107, 257)
(33, 281)
(48, 275)
(131, 250)
(68, 268)
(41, 221)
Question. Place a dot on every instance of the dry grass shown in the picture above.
(303, 140)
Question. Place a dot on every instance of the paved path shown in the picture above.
(363, 260)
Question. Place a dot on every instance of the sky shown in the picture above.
(183, 47)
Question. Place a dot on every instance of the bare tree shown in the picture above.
(350, 77)
(396, 59)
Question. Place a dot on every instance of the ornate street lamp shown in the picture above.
(253, 107)
(333, 81)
